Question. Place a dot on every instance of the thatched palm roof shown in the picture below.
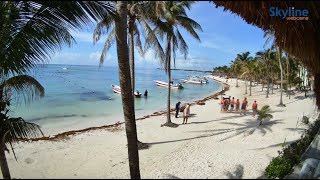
(300, 38)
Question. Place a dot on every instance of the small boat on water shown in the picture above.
(117, 89)
(195, 80)
(165, 84)
(64, 68)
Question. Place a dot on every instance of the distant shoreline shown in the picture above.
(194, 70)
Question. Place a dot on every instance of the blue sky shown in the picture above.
(224, 35)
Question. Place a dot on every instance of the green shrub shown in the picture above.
(278, 168)
(291, 154)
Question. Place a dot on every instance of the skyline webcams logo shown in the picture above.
(290, 13)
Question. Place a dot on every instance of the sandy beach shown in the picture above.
(211, 145)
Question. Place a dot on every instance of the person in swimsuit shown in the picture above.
(237, 105)
(254, 108)
(232, 104)
(244, 106)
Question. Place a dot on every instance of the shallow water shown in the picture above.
(81, 96)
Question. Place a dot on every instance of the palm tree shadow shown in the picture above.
(274, 145)
(237, 174)
(250, 126)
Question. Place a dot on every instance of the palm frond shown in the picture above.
(106, 24)
(17, 128)
(23, 85)
(183, 45)
(109, 42)
(138, 40)
(33, 30)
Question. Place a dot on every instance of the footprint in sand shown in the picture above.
(29, 160)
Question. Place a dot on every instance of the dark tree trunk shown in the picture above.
(168, 61)
(126, 94)
(131, 59)
(281, 77)
(246, 86)
(250, 87)
(3, 162)
(237, 83)
(317, 88)
(272, 86)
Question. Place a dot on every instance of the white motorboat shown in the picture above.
(165, 84)
(117, 89)
(195, 80)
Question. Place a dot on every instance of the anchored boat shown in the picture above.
(165, 84)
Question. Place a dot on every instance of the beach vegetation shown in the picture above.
(14, 128)
(292, 153)
(264, 113)
(31, 31)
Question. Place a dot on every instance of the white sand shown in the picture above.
(208, 147)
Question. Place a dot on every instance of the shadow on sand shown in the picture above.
(237, 174)
(250, 126)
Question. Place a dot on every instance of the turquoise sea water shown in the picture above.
(81, 96)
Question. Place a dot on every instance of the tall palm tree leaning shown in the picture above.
(126, 93)
(174, 16)
(134, 13)
(270, 36)
(14, 128)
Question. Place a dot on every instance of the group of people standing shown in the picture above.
(227, 103)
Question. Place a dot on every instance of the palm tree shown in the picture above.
(31, 31)
(11, 129)
(168, 25)
(236, 69)
(249, 71)
(244, 57)
(266, 56)
(135, 13)
(270, 36)
(264, 113)
(126, 93)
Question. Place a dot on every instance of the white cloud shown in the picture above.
(67, 56)
(87, 37)
(148, 57)
(208, 44)
(95, 56)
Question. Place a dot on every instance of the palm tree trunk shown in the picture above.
(131, 59)
(281, 77)
(237, 83)
(246, 86)
(168, 70)
(250, 87)
(169, 95)
(317, 88)
(3, 162)
(126, 94)
(272, 86)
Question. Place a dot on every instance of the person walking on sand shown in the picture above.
(232, 104)
(254, 108)
(237, 105)
(222, 104)
(244, 106)
(186, 114)
(226, 102)
(177, 109)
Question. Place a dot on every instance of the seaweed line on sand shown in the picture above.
(116, 126)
